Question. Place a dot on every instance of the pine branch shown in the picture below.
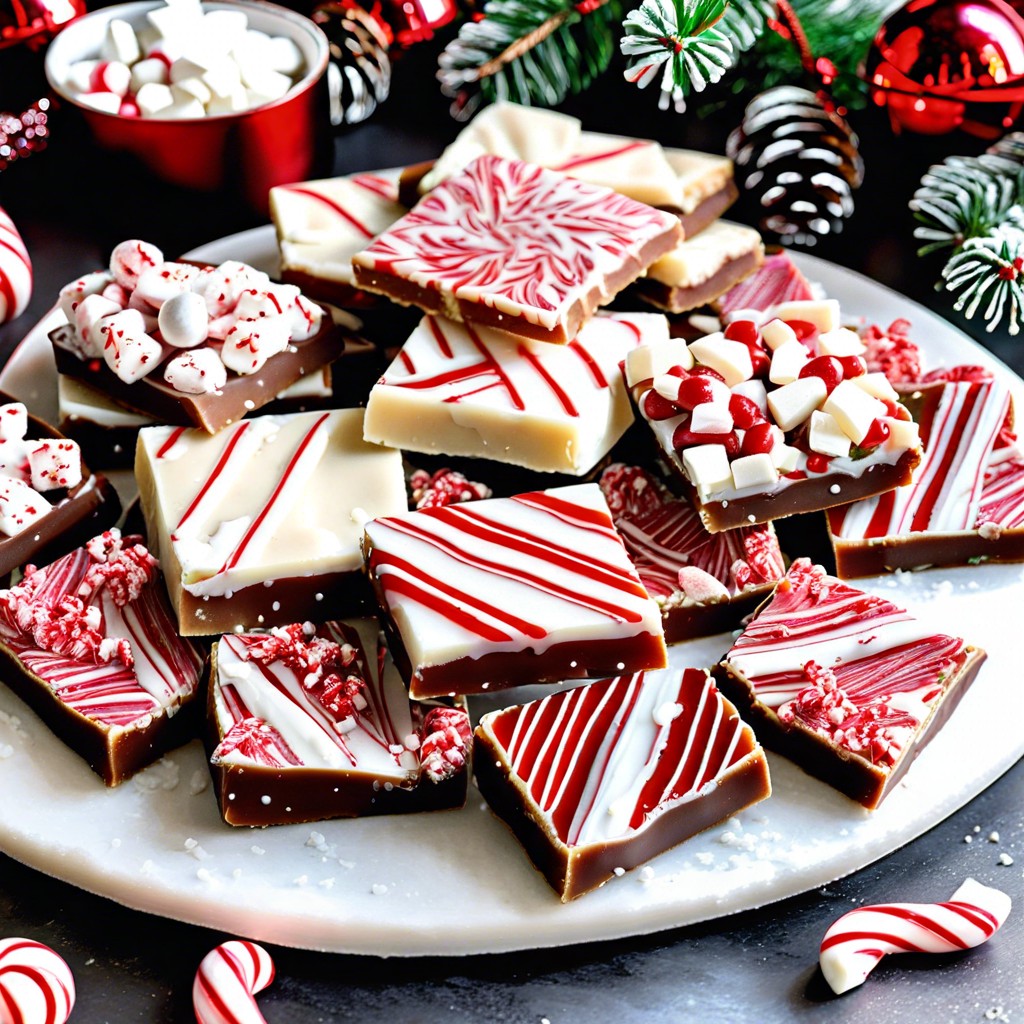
(529, 52)
(988, 270)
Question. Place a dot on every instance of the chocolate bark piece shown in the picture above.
(516, 247)
(966, 501)
(606, 776)
(215, 410)
(456, 390)
(303, 726)
(759, 424)
(704, 583)
(497, 593)
(89, 644)
(844, 683)
(707, 188)
(777, 280)
(253, 526)
(74, 514)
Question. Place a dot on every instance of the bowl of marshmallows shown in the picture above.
(209, 95)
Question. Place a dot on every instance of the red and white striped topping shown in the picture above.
(508, 574)
(36, 984)
(855, 944)
(776, 280)
(95, 626)
(850, 666)
(605, 760)
(15, 270)
(526, 241)
(227, 982)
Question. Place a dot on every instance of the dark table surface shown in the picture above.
(72, 205)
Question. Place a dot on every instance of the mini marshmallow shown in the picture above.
(256, 303)
(182, 109)
(197, 372)
(224, 80)
(129, 353)
(107, 102)
(707, 467)
(116, 294)
(120, 42)
(284, 56)
(754, 471)
(13, 421)
(151, 71)
(250, 343)
(787, 362)
(90, 284)
(232, 103)
(840, 342)
(753, 389)
(655, 358)
(262, 81)
(776, 333)
(156, 285)
(226, 29)
(711, 418)
(223, 286)
(90, 312)
(730, 358)
(253, 46)
(130, 258)
(826, 437)
(700, 586)
(55, 463)
(153, 99)
(79, 76)
(877, 385)
(20, 506)
(304, 318)
(854, 409)
(791, 404)
(822, 313)
(191, 90)
(14, 459)
(183, 320)
(111, 76)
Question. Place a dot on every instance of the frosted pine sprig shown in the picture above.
(986, 272)
(678, 42)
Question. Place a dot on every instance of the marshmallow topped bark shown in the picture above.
(603, 777)
(843, 682)
(497, 593)
(513, 246)
(762, 422)
(303, 725)
(252, 524)
(459, 390)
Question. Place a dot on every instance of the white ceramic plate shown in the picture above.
(457, 882)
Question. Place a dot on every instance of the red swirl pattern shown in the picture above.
(36, 984)
(226, 984)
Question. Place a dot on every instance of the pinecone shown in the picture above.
(799, 161)
(359, 73)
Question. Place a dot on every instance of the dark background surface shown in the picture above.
(72, 204)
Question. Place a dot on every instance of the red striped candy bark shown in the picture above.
(533, 588)
(608, 775)
(846, 683)
(777, 280)
(227, 982)
(856, 943)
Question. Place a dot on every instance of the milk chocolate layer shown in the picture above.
(708, 210)
(681, 300)
(686, 621)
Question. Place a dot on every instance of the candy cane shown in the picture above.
(36, 985)
(227, 982)
(858, 940)
(15, 270)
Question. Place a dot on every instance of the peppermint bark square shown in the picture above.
(966, 501)
(762, 421)
(89, 643)
(536, 588)
(844, 683)
(602, 778)
(514, 246)
(303, 725)
(704, 583)
(260, 525)
(458, 390)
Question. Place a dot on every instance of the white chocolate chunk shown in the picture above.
(791, 404)
(840, 342)
(785, 457)
(656, 357)
(787, 362)
(13, 421)
(854, 409)
(730, 358)
(777, 333)
(754, 471)
(826, 437)
(20, 506)
(823, 313)
(198, 371)
(55, 463)
(903, 434)
(707, 467)
(877, 385)
(711, 418)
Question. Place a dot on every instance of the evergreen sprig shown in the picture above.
(535, 53)
(989, 271)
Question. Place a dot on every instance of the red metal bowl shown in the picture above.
(251, 150)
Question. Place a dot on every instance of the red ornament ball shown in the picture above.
(939, 65)
(35, 22)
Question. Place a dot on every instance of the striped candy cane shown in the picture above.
(15, 271)
(858, 940)
(227, 981)
(36, 985)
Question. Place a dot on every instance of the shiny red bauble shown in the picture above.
(35, 22)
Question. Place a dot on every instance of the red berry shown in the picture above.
(744, 331)
(817, 463)
(758, 440)
(828, 368)
(694, 391)
(877, 433)
(656, 407)
(686, 438)
(760, 362)
(853, 366)
(745, 412)
(803, 329)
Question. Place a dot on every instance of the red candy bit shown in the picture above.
(444, 739)
(658, 407)
(128, 108)
(853, 366)
(763, 556)
(745, 412)
(828, 368)
(677, 371)
(760, 361)
(891, 352)
(694, 391)
(707, 371)
(817, 463)
(684, 438)
(896, 410)
(758, 440)
(958, 374)
(631, 490)
(804, 330)
(445, 487)
(744, 331)
(122, 570)
(877, 433)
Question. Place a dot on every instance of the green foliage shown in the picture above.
(986, 272)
